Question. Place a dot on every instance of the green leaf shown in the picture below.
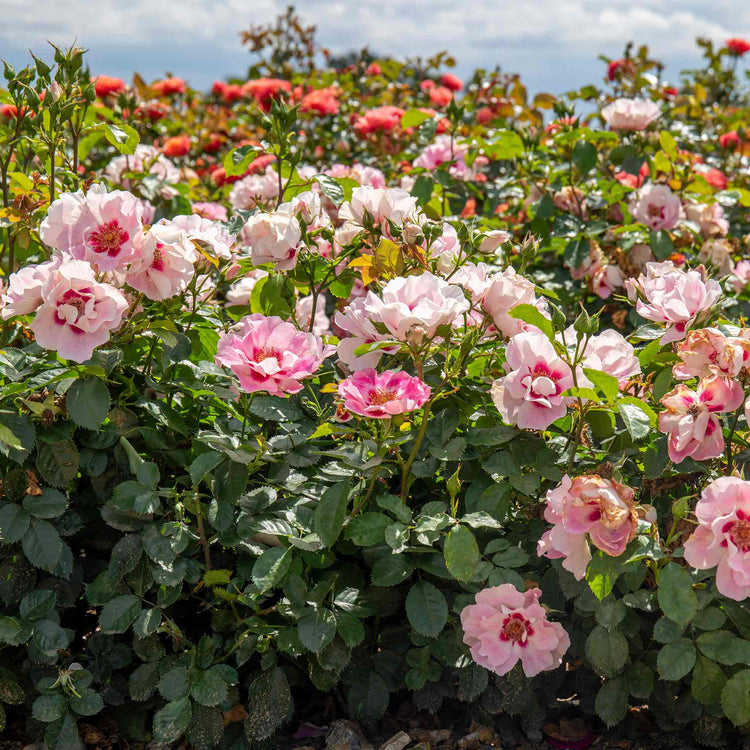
(88, 402)
(661, 244)
(17, 436)
(391, 570)
(675, 594)
(607, 650)
(271, 567)
(63, 733)
(505, 145)
(316, 628)
(269, 704)
(121, 136)
(676, 659)
(576, 252)
(42, 545)
(202, 464)
(147, 623)
(38, 604)
(461, 553)
(238, 160)
(611, 702)
(611, 612)
(367, 529)
(668, 143)
(708, 681)
(14, 522)
(412, 118)
(275, 409)
(209, 689)
(58, 462)
(735, 698)
(171, 721)
(529, 314)
(667, 631)
(607, 384)
(639, 680)
(368, 698)
(724, 647)
(119, 613)
(426, 609)
(584, 156)
(87, 703)
(330, 187)
(601, 574)
(330, 512)
(50, 504)
(206, 728)
(47, 708)
(636, 420)
(143, 681)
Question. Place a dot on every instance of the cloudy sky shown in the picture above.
(552, 43)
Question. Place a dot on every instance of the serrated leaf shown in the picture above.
(607, 650)
(209, 689)
(316, 628)
(426, 609)
(50, 504)
(461, 553)
(330, 512)
(269, 704)
(676, 659)
(119, 613)
(675, 594)
(368, 698)
(735, 698)
(271, 567)
(611, 702)
(171, 721)
(42, 545)
(87, 402)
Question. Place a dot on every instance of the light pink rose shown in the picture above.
(354, 320)
(145, 159)
(273, 237)
(77, 312)
(255, 190)
(382, 395)
(492, 240)
(165, 262)
(269, 354)
(690, 418)
(722, 539)
(740, 277)
(210, 210)
(365, 176)
(412, 308)
(587, 505)
(379, 206)
(446, 249)
(98, 226)
(707, 352)
(530, 395)
(657, 207)
(666, 294)
(719, 254)
(630, 114)
(505, 626)
(710, 218)
(475, 278)
(506, 290)
(607, 352)
(24, 292)
(591, 263)
(606, 279)
(205, 230)
(303, 311)
(445, 150)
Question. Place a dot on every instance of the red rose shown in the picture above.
(107, 86)
(738, 47)
(454, 83)
(178, 145)
(169, 86)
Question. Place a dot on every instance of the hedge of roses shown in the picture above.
(367, 381)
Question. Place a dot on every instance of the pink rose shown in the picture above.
(303, 311)
(144, 159)
(717, 253)
(505, 626)
(241, 291)
(165, 262)
(707, 353)
(208, 231)
(587, 505)
(690, 418)
(445, 150)
(273, 237)
(382, 395)
(98, 227)
(24, 292)
(607, 352)
(657, 207)
(530, 395)
(354, 320)
(722, 539)
(269, 354)
(475, 278)
(710, 219)
(606, 279)
(412, 308)
(379, 206)
(506, 290)
(630, 114)
(77, 312)
(446, 249)
(209, 210)
(255, 189)
(492, 240)
(666, 294)
(740, 277)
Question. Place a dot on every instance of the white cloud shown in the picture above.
(548, 40)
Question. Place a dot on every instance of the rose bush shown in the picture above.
(365, 381)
